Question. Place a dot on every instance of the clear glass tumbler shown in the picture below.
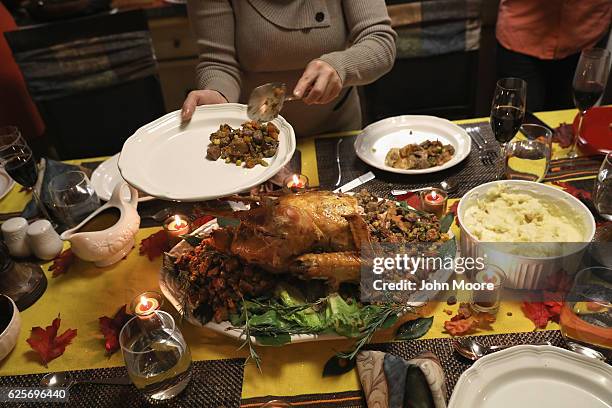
(527, 157)
(485, 300)
(602, 199)
(156, 356)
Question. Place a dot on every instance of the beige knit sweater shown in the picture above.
(245, 43)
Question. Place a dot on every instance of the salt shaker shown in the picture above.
(14, 233)
(44, 241)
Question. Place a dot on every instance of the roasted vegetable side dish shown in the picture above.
(248, 145)
(419, 156)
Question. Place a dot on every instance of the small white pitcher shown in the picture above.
(108, 246)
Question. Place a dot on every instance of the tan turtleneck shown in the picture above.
(245, 43)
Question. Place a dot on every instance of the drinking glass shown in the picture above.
(17, 159)
(586, 314)
(589, 83)
(488, 300)
(156, 356)
(602, 199)
(73, 197)
(528, 156)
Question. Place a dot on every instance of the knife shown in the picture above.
(364, 178)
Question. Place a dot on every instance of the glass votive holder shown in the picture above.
(175, 226)
(434, 201)
(487, 287)
(146, 303)
(296, 183)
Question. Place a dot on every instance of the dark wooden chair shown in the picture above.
(452, 85)
(94, 80)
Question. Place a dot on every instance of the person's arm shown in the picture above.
(371, 54)
(218, 72)
(372, 50)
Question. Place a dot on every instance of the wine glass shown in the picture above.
(589, 83)
(17, 159)
(156, 355)
(602, 199)
(73, 197)
(508, 109)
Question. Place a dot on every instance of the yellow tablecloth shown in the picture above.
(85, 293)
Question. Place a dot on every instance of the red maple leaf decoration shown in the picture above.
(576, 192)
(61, 263)
(412, 199)
(111, 327)
(47, 343)
(564, 135)
(154, 245)
(198, 222)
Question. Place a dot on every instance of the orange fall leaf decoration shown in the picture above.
(466, 322)
(47, 343)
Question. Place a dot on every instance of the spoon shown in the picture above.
(449, 186)
(266, 101)
(64, 380)
(473, 349)
(585, 351)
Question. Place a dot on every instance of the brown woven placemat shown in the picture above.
(470, 173)
(214, 383)
(453, 364)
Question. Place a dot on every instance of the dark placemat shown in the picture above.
(453, 364)
(470, 173)
(214, 383)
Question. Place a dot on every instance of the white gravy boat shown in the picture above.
(110, 245)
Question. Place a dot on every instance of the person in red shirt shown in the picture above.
(540, 41)
(16, 106)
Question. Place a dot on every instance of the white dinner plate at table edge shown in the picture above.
(106, 176)
(167, 158)
(6, 183)
(375, 141)
(534, 376)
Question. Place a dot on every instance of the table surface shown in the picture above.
(86, 293)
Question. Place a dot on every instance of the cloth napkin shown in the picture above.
(47, 169)
(389, 381)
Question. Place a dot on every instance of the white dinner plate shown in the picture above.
(534, 377)
(167, 159)
(375, 141)
(106, 176)
(6, 183)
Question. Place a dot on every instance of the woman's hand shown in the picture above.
(197, 98)
(320, 83)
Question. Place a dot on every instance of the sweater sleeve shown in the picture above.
(371, 53)
(212, 22)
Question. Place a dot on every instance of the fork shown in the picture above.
(487, 154)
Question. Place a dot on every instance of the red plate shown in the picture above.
(596, 132)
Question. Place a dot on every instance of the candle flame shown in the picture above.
(143, 301)
(434, 195)
(296, 179)
(177, 219)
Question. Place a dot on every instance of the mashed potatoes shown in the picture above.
(504, 216)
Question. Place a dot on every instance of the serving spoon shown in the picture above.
(266, 101)
(473, 349)
(449, 186)
(65, 380)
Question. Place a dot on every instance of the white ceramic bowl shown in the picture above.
(8, 336)
(527, 272)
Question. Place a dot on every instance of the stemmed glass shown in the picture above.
(508, 109)
(17, 159)
(589, 83)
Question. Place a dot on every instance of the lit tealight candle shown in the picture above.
(434, 201)
(146, 303)
(296, 183)
(176, 226)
